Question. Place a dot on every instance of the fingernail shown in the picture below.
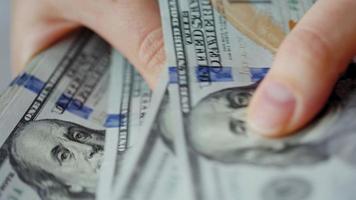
(273, 109)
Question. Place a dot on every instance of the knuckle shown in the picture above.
(151, 50)
(311, 48)
(311, 43)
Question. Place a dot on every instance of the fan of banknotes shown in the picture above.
(81, 123)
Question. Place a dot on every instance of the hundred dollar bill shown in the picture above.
(129, 100)
(203, 34)
(53, 122)
(222, 159)
(151, 170)
(199, 38)
(225, 160)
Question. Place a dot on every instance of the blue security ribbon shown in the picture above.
(29, 82)
(35, 85)
(214, 74)
(258, 74)
(113, 120)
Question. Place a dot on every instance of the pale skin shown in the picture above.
(304, 71)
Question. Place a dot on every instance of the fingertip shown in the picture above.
(271, 109)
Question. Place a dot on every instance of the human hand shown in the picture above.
(131, 26)
(305, 69)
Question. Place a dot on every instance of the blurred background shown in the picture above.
(5, 73)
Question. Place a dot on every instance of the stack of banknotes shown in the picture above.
(81, 123)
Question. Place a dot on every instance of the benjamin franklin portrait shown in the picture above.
(58, 159)
(216, 129)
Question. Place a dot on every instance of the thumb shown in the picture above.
(306, 67)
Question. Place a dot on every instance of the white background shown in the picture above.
(5, 74)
